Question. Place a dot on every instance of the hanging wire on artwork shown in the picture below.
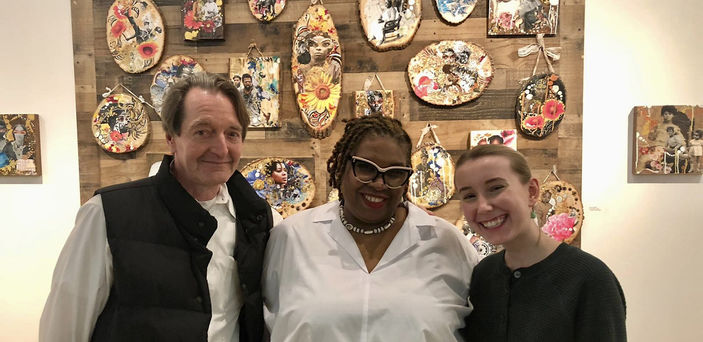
(553, 172)
(138, 97)
(253, 46)
(539, 48)
(428, 129)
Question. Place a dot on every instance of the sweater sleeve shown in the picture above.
(601, 309)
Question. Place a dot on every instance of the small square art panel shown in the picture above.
(522, 17)
(507, 137)
(370, 102)
(203, 19)
(258, 80)
(668, 140)
(19, 145)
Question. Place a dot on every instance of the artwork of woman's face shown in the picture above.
(280, 175)
(319, 47)
(667, 116)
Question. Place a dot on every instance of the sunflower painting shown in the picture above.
(317, 70)
(135, 34)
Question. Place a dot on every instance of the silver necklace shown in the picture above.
(352, 228)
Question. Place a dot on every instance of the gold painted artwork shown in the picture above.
(450, 72)
(368, 102)
(559, 210)
(120, 124)
(285, 184)
(317, 70)
(258, 80)
(19, 145)
(432, 182)
(172, 70)
(483, 247)
(266, 10)
(203, 19)
(135, 34)
(522, 17)
(668, 140)
(390, 24)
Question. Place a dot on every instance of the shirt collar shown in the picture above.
(223, 197)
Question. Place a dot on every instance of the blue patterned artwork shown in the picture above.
(455, 11)
(285, 184)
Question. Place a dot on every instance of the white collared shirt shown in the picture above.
(83, 275)
(317, 287)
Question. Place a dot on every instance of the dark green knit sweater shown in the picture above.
(568, 296)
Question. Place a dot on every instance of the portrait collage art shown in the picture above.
(285, 184)
(668, 140)
(257, 79)
(135, 34)
(19, 145)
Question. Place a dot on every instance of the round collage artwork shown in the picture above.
(135, 34)
(541, 105)
(171, 71)
(432, 182)
(483, 247)
(450, 72)
(285, 184)
(120, 124)
(559, 210)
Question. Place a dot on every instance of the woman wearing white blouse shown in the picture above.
(371, 266)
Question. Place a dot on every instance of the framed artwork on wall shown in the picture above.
(19, 145)
(668, 140)
(522, 17)
(135, 34)
(203, 19)
(507, 137)
(258, 80)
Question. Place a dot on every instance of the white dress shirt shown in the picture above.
(317, 287)
(83, 275)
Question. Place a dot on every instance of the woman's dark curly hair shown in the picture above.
(354, 132)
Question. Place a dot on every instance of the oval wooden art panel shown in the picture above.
(120, 124)
(432, 182)
(390, 24)
(135, 34)
(317, 70)
(266, 10)
(483, 247)
(559, 210)
(171, 71)
(541, 105)
(450, 72)
(285, 184)
(455, 11)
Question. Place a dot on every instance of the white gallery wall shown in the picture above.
(36, 213)
(647, 229)
(637, 52)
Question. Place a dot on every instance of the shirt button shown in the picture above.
(199, 299)
(201, 224)
(517, 274)
(259, 218)
(244, 287)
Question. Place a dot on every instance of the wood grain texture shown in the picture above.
(95, 70)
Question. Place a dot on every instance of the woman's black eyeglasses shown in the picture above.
(367, 171)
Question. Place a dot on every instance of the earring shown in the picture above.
(533, 214)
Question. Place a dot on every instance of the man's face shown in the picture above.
(237, 82)
(247, 83)
(208, 148)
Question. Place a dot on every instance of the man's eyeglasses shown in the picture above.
(367, 171)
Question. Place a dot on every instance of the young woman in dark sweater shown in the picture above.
(536, 289)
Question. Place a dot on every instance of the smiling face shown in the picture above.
(373, 204)
(208, 147)
(496, 202)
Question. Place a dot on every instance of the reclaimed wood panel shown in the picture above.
(95, 70)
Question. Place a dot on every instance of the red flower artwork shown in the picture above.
(147, 50)
(553, 109)
(559, 226)
(534, 122)
(423, 85)
(115, 136)
(190, 22)
(118, 28)
(119, 14)
(208, 26)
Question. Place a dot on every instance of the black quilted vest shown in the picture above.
(157, 234)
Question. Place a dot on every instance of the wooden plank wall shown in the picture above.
(95, 70)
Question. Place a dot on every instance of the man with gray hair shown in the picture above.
(177, 256)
